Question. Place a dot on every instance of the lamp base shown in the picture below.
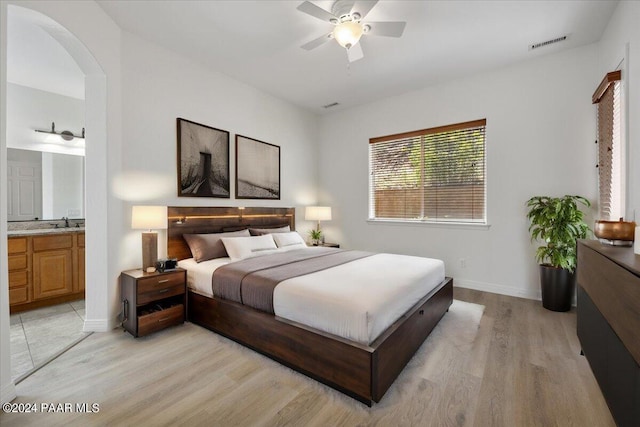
(149, 250)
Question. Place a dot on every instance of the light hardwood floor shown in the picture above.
(519, 365)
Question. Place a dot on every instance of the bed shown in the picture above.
(362, 363)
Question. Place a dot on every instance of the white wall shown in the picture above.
(7, 388)
(540, 132)
(621, 43)
(158, 87)
(29, 109)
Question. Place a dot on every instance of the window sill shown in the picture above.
(444, 224)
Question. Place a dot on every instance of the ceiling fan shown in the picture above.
(348, 16)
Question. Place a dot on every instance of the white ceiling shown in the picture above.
(37, 60)
(258, 42)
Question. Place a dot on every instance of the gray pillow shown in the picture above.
(262, 231)
(209, 246)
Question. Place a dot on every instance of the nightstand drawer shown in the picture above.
(154, 283)
(161, 291)
(160, 319)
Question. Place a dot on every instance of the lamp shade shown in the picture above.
(149, 217)
(317, 213)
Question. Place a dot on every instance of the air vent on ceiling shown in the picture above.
(547, 43)
(333, 104)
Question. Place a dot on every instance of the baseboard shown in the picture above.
(497, 289)
(8, 392)
(102, 325)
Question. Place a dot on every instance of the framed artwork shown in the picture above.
(257, 169)
(203, 160)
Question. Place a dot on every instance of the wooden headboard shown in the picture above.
(188, 220)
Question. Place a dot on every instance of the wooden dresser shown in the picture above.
(609, 324)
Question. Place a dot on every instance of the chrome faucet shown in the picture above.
(66, 221)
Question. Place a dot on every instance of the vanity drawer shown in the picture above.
(17, 245)
(45, 243)
(18, 295)
(17, 262)
(18, 278)
(160, 319)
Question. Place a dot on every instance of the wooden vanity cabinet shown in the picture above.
(52, 265)
(45, 269)
(80, 263)
(19, 271)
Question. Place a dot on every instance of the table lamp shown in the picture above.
(149, 218)
(317, 213)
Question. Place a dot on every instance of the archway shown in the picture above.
(96, 277)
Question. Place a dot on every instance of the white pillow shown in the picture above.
(247, 247)
(291, 240)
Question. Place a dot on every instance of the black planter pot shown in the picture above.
(557, 286)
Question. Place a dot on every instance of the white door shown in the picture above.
(24, 191)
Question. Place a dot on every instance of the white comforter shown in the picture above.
(357, 301)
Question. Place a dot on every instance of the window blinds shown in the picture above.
(434, 175)
(607, 96)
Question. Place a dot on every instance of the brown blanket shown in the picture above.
(252, 281)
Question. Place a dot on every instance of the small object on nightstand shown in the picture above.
(153, 301)
(151, 269)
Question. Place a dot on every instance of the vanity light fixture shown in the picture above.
(65, 134)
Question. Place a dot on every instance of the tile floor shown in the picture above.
(37, 335)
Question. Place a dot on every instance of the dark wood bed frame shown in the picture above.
(362, 372)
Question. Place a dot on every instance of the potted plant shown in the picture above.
(315, 235)
(558, 222)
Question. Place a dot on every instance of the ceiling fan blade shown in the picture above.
(386, 29)
(355, 52)
(363, 7)
(317, 42)
(317, 12)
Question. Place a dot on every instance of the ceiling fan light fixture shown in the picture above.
(348, 33)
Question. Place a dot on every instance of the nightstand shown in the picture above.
(153, 301)
(330, 245)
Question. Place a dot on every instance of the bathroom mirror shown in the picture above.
(44, 185)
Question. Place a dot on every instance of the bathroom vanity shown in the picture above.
(46, 267)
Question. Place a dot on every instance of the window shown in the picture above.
(610, 147)
(430, 175)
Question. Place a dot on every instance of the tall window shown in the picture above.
(430, 175)
(610, 147)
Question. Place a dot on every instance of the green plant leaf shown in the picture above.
(557, 222)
